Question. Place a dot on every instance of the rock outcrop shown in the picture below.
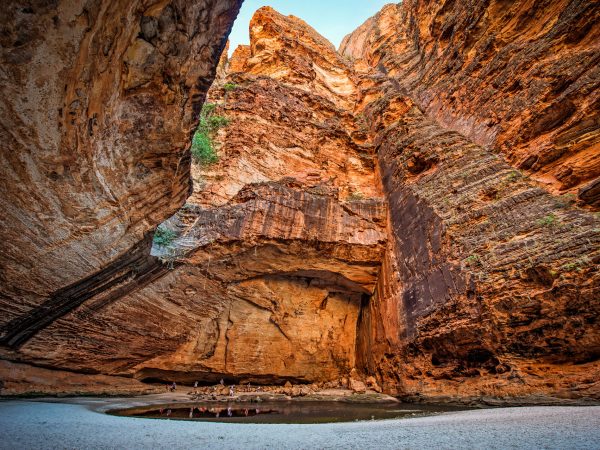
(519, 77)
(26, 380)
(276, 250)
(490, 285)
(412, 214)
(98, 102)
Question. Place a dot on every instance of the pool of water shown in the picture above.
(283, 412)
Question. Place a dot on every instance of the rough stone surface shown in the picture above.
(490, 284)
(276, 249)
(521, 77)
(99, 99)
(389, 216)
(23, 379)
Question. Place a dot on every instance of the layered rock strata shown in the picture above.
(520, 77)
(490, 284)
(99, 100)
(276, 250)
(397, 207)
(270, 289)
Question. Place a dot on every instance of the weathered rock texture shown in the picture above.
(520, 77)
(291, 116)
(290, 221)
(24, 379)
(368, 209)
(277, 248)
(98, 102)
(490, 285)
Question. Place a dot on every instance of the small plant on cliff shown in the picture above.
(203, 148)
(547, 221)
(565, 200)
(208, 110)
(163, 237)
(577, 265)
(514, 175)
(228, 87)
(216, 122)
(472, 260)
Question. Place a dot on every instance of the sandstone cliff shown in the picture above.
(519, 77)
(417, 205)
(490, 285)
(276, 249)
(98, 102)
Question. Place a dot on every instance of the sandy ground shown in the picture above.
(28, 424)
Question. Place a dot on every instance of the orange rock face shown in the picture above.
(490, 279)
(276, 250)
(392, 207)
(490, 284)
(519, 77)
(290, 222)
(99, 100)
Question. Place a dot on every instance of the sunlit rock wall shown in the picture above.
(521, 77)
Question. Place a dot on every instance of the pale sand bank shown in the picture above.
(26, 424)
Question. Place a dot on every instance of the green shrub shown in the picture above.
(513, 176)
(208, 109)
(216, 122)
(547, 221)
(203, 148)
(578, 264)
(471, 260)
(230, 87)
(163, 237)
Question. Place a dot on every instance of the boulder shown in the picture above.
(357, 386)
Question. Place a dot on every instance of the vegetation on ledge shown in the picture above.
(203, 147)
(163, 237)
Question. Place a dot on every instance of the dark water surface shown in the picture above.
(284, 412)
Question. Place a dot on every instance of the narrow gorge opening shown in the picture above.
(286, 215)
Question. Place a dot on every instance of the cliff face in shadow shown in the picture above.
(483, 114)
(417, 205)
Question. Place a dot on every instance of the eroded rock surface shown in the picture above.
(490, 284)
(520, 77)
(276, 250)
(99, 100)
(395, 207)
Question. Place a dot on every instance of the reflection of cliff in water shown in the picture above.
(283, 412)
